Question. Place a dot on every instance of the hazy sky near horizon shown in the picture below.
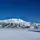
(24, 9)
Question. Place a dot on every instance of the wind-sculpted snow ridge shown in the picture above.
(17, 23)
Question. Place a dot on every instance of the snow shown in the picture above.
(15, 21)
(18, 34)
(20, 22)
(12, 20)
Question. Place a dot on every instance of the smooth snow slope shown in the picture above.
(18, 34)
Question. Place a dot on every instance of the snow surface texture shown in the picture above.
(18, 34)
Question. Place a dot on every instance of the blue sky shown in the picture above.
(24, 9)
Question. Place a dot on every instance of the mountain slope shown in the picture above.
(12, 23)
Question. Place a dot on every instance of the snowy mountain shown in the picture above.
(18, 23)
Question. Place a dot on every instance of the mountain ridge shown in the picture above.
(14, 22)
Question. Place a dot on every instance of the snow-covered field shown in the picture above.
(18, 34)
